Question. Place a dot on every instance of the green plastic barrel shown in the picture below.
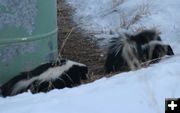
(28, 35)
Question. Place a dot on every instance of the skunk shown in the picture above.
(46, 77)
(127, 52)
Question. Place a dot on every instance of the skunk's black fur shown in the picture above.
(46, 77)
(145, 37)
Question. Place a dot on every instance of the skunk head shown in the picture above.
(162, 50)
(156, 49)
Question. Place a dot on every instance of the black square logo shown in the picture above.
(172, 105)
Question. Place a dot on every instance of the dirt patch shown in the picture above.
(79, 47)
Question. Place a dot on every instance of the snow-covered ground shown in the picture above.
(102, 17)
(141, 91)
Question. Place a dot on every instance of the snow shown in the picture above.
(138, 91)
(100, 17)
(141, 91)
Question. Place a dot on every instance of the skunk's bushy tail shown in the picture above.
(122, 54)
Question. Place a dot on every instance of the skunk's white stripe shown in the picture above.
(128, 54)
(153, 43)
(50, 74)
(22, 85)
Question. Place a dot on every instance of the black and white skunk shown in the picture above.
(46, 77)
(127, 52)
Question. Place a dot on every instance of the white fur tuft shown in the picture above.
(119, 44)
